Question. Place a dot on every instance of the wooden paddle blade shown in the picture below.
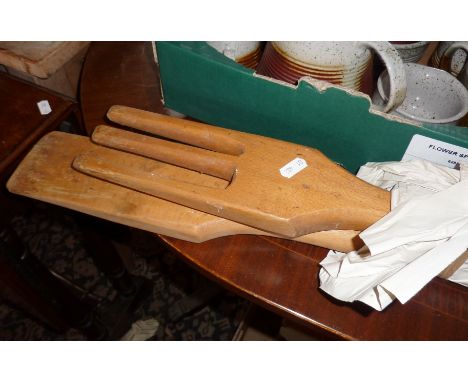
(46, 174)
(278, 187)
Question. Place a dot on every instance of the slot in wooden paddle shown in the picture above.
(322, 196)
(46, 174)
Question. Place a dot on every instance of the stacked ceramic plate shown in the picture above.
(278, 64)
(252, 59)
(246, 53)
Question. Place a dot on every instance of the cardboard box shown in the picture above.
(202, 83)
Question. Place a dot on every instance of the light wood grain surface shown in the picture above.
(46, 174)
(322, 196)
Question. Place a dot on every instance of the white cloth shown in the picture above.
(141, 330)
(426, 230)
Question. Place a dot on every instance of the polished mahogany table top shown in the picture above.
(281, 275)
(21, 123)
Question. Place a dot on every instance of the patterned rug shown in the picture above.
(54, 237)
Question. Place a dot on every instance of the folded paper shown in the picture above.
(426, 231)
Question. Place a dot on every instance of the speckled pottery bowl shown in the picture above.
(246, 53)
(345, 63)
(433, 96)
(455, 51)
(410, 51)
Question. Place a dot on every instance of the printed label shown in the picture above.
(435, 151)
(293, 167)
(44, 107)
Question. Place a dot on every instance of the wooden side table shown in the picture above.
(21, 125)
(23, 278)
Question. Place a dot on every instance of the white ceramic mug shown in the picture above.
(433, 96)
(340, 62)
(246, 53)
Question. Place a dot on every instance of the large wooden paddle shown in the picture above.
(275, 186)
(46, 174)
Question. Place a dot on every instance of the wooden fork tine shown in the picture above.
(97, 165)
(193, 158)
(194, 133)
